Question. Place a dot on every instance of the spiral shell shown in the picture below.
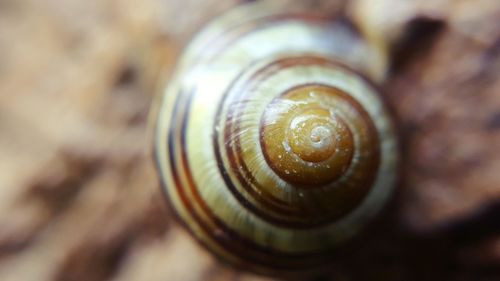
(272, 147)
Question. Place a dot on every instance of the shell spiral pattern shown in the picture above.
(272, 147)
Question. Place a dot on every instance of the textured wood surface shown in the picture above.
(79, 196)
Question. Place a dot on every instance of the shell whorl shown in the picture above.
(274, 151)
(303, 154)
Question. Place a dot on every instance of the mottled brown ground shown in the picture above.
(79, 197)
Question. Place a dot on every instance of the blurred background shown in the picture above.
(79, 195)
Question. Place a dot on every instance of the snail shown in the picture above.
(273, 145)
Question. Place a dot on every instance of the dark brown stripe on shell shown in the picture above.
(235, 32)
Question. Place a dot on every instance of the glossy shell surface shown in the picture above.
(271, 146)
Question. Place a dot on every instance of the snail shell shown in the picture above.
(273, 148)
